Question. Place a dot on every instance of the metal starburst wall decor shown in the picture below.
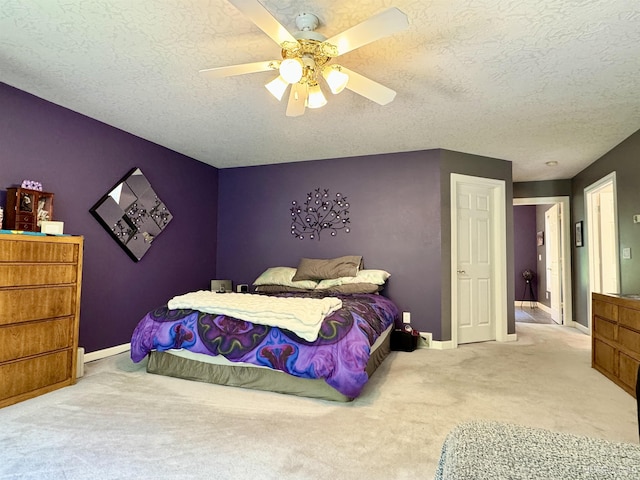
(319, 213)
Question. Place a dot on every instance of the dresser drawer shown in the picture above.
(26, 226)
(604, 356)
(25, 218)
(25, 340)
(627, 370)
(605, 328)
(24, 376)
(605, 310)
(17, 251)
(630, 318)
(23, 305)
(36, 274)
(629, 339)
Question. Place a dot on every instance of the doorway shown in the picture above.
(478, 260)
(602, 237)
(562, 275)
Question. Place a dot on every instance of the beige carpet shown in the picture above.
(119, 422)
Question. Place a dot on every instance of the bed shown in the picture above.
(220, 344)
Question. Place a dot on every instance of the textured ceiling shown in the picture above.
(523, 80)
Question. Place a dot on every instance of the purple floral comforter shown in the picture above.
(339, 355)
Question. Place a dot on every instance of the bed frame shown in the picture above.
(259, 378)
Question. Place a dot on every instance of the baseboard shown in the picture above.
(544, 308)
(441, 345)
(428, 342)
(106, 352)
(580, 327)
(527, 303)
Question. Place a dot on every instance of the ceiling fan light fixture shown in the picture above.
(291, 70)
(277, 87)
(316, 98)
(335, 77)
(306, 54)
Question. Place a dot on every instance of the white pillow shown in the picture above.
(283, 276)
(377, 277)
(330, 282)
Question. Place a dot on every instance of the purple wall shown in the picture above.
(395, 222)
(79, 159)
(524, 235)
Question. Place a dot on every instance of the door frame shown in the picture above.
(589, 191)
(567, 295)
(499, 252)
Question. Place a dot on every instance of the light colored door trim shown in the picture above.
(499, 226)
(567, 299)
(589, 231)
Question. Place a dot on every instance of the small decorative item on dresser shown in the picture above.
(27, 208)
(52, 228)
(1, 215)
(31, 185)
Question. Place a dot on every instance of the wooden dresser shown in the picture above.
(40, 279)
(615, 348)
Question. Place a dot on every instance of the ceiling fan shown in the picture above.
(307, 57)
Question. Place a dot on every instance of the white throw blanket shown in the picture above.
(302, 316)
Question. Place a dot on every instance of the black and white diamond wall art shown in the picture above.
(132, 213)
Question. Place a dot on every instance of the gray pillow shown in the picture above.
(351, 288)
(281, 289)
(320, 269)
(282, 276)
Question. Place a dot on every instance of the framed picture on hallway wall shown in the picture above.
(540, 239)
(579, 239)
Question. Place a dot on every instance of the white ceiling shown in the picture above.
(523, 80)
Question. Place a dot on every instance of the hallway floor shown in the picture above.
(527, 314)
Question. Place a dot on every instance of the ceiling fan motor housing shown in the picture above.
(306, 24)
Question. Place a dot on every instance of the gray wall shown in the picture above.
(624, 159)
(474, 165)
(547, 188)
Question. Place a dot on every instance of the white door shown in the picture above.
(554, 261)
(475, 275)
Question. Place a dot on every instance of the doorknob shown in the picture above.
(461, 271)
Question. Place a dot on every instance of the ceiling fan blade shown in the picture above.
(255, 11)
(231, 70)
(297, 99)
(368, 88)
(383, 24)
